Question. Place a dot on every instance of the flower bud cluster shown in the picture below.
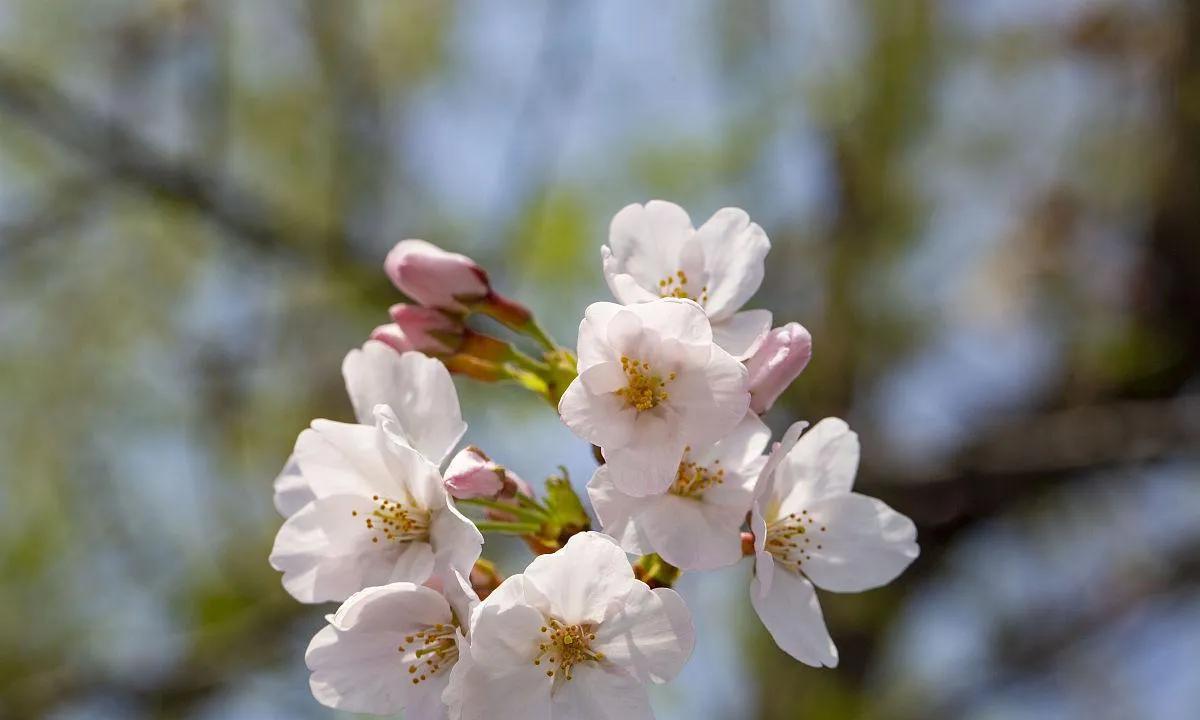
(668, 384)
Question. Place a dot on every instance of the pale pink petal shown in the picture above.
(593, 334)
(583, 578)
(419, 390)
(856, 543)
(734, 252)
(650, 636)
(741, 334)
(599, 691)
(617, 511)
(691, 534)
(602, 419)
(292, 491)
(822, 464)
(791, 613)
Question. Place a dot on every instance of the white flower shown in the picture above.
(809, 528)
(417, 388)
(391, 648)
(696, 524)
(650, 382)
(653, 252)
(575, 637)
(380, 514)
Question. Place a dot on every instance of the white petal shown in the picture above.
(645, 243)
(605, 377)
(456, 587)
(859, 543)
(616, 511)
(501, 679)
(709, 418)
(822, 464)
(396, 607)
(410, 471)
(456, 541)
(791, 613)
(691, 534)
(602, 419)
(741, 448)
(651, 636)
(339, 458)
(515, 591)
(623, 285)
(645, 467)
(583, 578)
(417, 387)
(462, 677)
(414, 562)
(742, 333)
(765, 491)
(734, 251)
(600, 692)
(593, 334)
(292, 491)
(683, 320)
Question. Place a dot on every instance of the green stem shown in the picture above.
(535, 331)
(514, 510)
(525, 362)
(509, 528)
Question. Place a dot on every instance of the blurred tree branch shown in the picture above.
(117, 152)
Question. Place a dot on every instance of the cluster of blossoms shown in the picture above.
(668, 384)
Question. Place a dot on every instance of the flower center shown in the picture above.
(644, 389)
(692, 480)
(396, 522)
(429, 652)
(790, 539)
(677, 286)
(565, 647)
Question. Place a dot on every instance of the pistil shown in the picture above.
(790, 539)
(429, 652)
(565, 647)
(692, 479)
(395, 522)
(645, 389)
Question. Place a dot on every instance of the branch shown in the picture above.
(122, 155)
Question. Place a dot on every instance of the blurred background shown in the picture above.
(986, 212)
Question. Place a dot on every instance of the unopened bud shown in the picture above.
(422, 329)
(783, 355)
(472, 474)
(436, 278)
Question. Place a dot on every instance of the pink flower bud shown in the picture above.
(436, 278)
(783, 355)
(422, 329)
(472, 474)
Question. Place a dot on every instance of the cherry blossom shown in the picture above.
(653, 251)
(696, 523)
(390, 649)
(575, 637)
(651, 382)
(811, 529)
(380, 514)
